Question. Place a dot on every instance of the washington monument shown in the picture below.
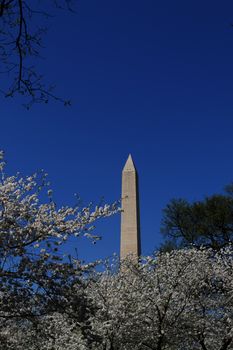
(130, 220)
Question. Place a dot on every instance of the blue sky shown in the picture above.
(151, 78)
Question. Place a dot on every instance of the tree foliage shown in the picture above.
(178, 300)
(22, 30)
(202, 223)
(173, 301)
(37, 278)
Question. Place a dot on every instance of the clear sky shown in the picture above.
(150, 78)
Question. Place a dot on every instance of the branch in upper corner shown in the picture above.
(21, 41)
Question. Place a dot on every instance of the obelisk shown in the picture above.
(130, 221)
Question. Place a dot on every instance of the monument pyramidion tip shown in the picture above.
(129, 165)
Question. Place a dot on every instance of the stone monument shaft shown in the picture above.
(130, 220)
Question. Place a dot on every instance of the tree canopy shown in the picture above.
(173, 301)
(38, 277)
(208, 222)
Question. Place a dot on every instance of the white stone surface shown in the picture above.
(130, 223)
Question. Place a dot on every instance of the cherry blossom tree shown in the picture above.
(178, 300)
(172, 301)
(37, 279)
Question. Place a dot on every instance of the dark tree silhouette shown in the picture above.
(22, 31)
(202, 223)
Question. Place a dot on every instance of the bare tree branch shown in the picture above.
(21, 41)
